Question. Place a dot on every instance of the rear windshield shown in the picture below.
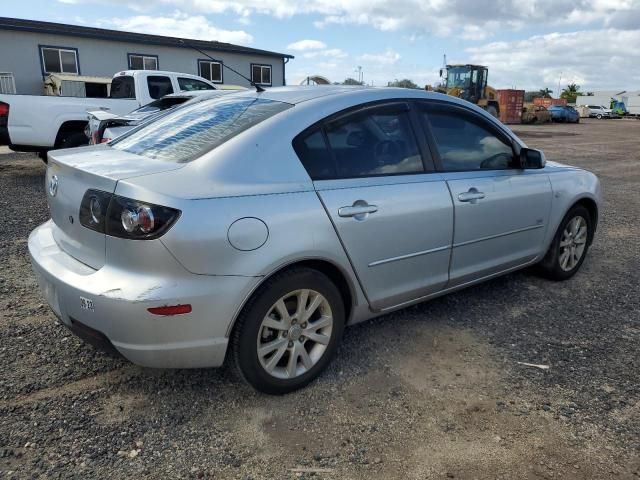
(191, 131)
(162, 104)
(123, 87)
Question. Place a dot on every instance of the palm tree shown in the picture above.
(571, 92)
(545, 92)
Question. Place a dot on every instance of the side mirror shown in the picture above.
(530, 158)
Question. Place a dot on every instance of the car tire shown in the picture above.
(276, 346)
(73, 140)
(599, 116)
(569, 246)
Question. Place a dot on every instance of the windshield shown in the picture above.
(187, 133)
(458, 77)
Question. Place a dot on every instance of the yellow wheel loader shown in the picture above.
(469, 82)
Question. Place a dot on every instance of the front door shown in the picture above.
(501, 211)
(394, 220)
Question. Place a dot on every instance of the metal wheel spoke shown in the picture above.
(267, 348)
(304, 356)
(283, 312)
(565, 242)
(274, 324)
(564, 258)
(315, 303)
(292, 364)
(320, 323)
(318, 338)
(303, 297)
(273, 361)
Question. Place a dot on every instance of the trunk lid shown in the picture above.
(70, 173)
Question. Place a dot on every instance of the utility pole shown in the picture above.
(559, 80)
(360, 74)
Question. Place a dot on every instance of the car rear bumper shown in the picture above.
(4, 136)
(108, 307)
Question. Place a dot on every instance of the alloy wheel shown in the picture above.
(573, 243)
(294, 334)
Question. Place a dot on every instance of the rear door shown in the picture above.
(393, 214)
(501, 211)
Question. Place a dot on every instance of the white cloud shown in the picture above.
(177, 25)
(388, 57)
(330, 52)
(594, 59)
(303, 45)
(472, 20)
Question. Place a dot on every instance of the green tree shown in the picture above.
(545, 92)
(351, 81)
(404, 83)
(571, 92)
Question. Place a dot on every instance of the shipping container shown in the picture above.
(548, 102)
(511, 103)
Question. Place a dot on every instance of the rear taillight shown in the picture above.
(4, 109)
(124, 217)
(105, 140)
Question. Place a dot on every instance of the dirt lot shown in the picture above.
(433, 391)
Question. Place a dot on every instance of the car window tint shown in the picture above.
(159, 86)
(190, 84)
(315, 156)
(465, 144)
(377, 141)
(187, 133)
(123, 87)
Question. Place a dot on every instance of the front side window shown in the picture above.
(191, 84)
(59, 60)
(375, 141)
(261, 74)
(159, 86)
(143, 62)
(465, 143)
(189, 132)
(212, 71)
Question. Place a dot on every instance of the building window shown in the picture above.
(59, 60)
(210, 70)
(143, 62)
(261, 74)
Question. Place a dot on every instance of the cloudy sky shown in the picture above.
(527, 44)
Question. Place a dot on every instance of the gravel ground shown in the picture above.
(433, 391)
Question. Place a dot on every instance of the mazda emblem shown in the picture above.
(53, 185)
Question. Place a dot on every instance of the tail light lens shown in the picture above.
(124, 217)
(4, 109)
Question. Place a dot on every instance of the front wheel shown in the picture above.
(599, 116)
(570, 244)
(289, 331)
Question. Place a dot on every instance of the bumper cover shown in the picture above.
(117, 312)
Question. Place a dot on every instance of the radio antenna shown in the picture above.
(251, 82)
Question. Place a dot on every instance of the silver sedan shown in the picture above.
(255, 226)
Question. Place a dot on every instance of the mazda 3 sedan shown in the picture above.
(256, 226)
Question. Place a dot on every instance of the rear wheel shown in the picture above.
(71, 140)
(570, 244)
(288, 332)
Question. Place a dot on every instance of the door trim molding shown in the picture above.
(504, 234)
(409, 255)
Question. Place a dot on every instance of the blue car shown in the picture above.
(562, 113)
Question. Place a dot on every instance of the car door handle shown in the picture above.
(472, 196)
(357, 210)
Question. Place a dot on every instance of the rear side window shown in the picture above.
(187, 133)
(159, 86)
(375, 141)
(190, 84)
(315, 156)
(123, 87)
(465, 143)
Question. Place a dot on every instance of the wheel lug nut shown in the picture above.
(301, 339)
(304, 325)
(290, 344)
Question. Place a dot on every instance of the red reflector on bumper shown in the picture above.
(170, 310)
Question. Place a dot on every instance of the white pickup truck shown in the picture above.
(38, 123)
